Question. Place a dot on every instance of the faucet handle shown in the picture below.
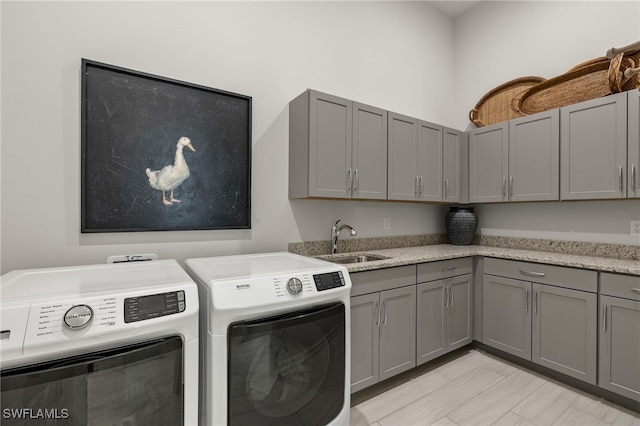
(337, 222)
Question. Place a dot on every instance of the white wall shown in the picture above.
(393, 55)
(401, 56)
(498, 41)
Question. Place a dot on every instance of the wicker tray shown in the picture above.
(496, 105)
(624, 73)
(582, 83)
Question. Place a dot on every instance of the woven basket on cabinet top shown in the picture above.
(495, 106)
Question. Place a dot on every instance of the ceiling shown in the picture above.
(453, 8)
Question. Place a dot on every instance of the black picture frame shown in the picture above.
(132, 125)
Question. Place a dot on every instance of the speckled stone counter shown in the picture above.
(408, 250)
(414, 255)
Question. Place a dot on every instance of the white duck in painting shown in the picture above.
(170, 177)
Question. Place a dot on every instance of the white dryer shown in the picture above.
(100, 344)
(275, 338)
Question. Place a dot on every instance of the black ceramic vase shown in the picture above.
(461, 223)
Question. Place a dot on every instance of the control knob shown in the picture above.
(294, 286)
(78, 316)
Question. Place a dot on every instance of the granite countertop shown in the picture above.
(431, 253)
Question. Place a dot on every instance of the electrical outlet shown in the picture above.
(635, 227)
(387, 223)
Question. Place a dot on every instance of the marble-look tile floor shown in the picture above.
(475, 388)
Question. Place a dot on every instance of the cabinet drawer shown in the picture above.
(577, 279)
(382, 279)
(626, 286)
(433, 271)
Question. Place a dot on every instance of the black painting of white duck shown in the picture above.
(170, 177)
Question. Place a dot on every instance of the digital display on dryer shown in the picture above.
(328, 281)
(153, 306)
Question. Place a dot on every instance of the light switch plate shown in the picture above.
(635, 227)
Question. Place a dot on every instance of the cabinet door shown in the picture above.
(593, 144)
(488, 163)
(634, 144)
(506, 316)
(330, 135)
(455, 165)
(565, 331)
(429, 161)
(403, 165)
(459, 325)
(534, 157)
(431, 338)
(369, 179)
(365, 338)
(397, 331)
(619, 369)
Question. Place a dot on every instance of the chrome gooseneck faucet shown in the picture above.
(335, 232)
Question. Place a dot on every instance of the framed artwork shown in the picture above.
(161, 154)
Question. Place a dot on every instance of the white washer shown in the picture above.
(98, 343)
(275, 339)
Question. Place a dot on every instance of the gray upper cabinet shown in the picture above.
(337, 148)
(430, 161)
(427, 162)
(455, 166)
(488, 163)
(517, 160)
(593, 143)
(403, 151)
(534, 157)
(633, 166)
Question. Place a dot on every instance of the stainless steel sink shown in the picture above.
(358, 258)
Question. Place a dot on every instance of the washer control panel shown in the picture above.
(153, 306)
(329, 280)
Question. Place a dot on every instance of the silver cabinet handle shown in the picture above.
(504, 187)
(348, 185)
(620, 179)
(451, 296)
(535, 302)
(604, 319)
(446, 296)
(526, 303)
(420, 187)
(356, 180)
(415, 186)
(510, 186)
(384, 305)
(633, 177)
(532, 273)
(636, 290)
(378, 309)
(446, 188)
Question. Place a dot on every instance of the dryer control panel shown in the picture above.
(329, 280)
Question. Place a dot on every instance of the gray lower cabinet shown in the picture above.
(565, 331)
(593, 148)
(337, 148)
(506, 321)
(619, 335)
(383, 325)
(443, 316)
(543, 313)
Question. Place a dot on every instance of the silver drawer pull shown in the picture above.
(636, 290)
(453, 268)
(531, 273)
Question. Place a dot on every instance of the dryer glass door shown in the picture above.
(133, 385)
(288, 369)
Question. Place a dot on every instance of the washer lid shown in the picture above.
(255, 265)
(39, 284)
